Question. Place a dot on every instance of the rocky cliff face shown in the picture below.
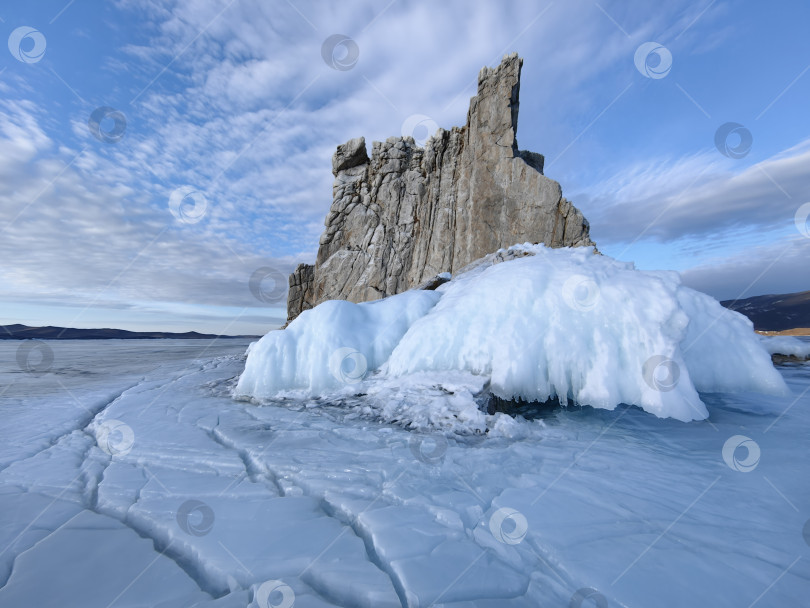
(408, 213)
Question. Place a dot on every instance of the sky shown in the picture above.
(165, 164)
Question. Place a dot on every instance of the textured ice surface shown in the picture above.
(204, 501)
(563, 323)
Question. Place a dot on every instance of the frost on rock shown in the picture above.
(528, 323)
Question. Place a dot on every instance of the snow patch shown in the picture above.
(787, 346)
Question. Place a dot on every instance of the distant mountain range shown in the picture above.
(775, 312)
(768, 313)
(23, 332)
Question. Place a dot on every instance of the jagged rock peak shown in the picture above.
(348, 155)
(493, 113)
(408, 214)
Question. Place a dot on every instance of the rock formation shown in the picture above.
(407, 214)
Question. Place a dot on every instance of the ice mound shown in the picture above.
(562, 323)
(332, 345)
(787, 346)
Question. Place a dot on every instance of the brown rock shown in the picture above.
(407, 214)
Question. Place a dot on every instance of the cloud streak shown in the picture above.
(699, 196)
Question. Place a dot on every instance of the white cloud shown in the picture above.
(251, 95)
(699, 196)
(73, 233)
(243, 108)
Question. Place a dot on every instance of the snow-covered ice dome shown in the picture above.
(557, 323)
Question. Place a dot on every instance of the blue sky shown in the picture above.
(232, 103)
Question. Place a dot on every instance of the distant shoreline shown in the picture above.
(798, 331)
(25, 332)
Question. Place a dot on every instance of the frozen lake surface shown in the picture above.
(130, 478)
